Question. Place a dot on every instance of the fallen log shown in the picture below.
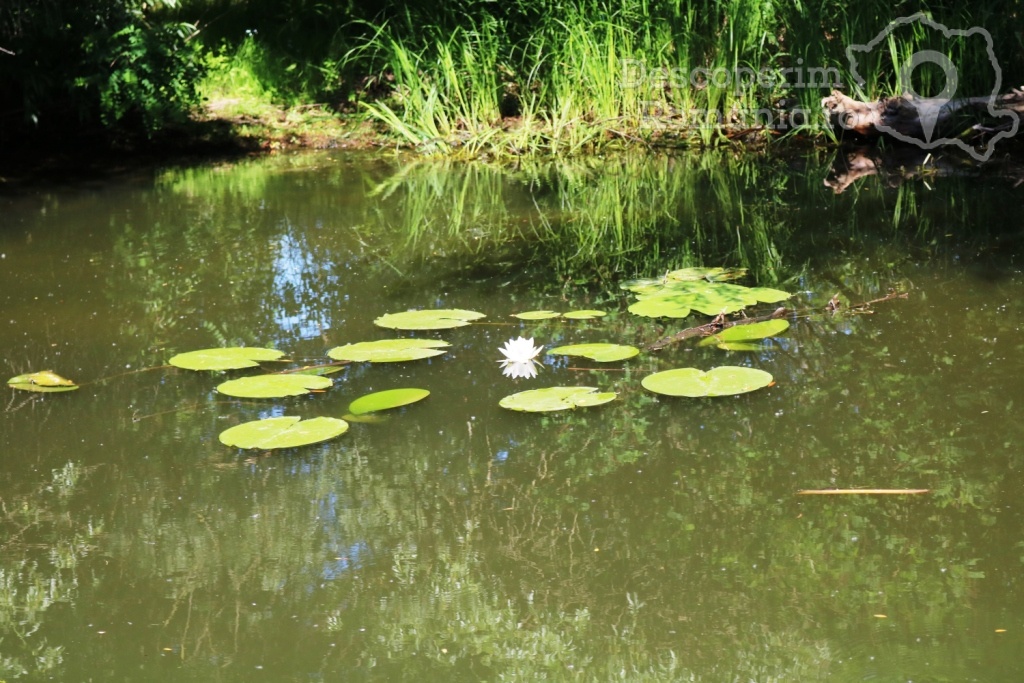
(924, 119)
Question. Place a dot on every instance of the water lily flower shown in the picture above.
(519, 354)
(515, 370)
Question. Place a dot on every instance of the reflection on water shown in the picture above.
(647, 539)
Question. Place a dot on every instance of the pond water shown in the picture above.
(648, 539)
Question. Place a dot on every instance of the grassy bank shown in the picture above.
(480, 78)
(518, 78)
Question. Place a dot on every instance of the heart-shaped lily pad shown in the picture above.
(602, 353)
(274, 386)
(430, 319)
(726, 380)
(556, 398)
(385, 400)
(389, 350)
(229, 358)
(536, 315)
(739, 337)
(675, 298)
(283, 432)
(584, 314)
(44, 381)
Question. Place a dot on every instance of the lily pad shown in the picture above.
(673, 298)
(585, 314)
(662, 307)
(229, 358)
(44, 381)
(556, 398)
(319, 370)
(712, 274)
(283, 432)
(536, 315)
(739, 337)
(602, 353)
(725, 380)
(385, 400)
(389, 350)
(274, 386)
(430, 319)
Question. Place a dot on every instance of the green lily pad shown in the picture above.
(385, 400)
(662, 307)
(726, 380)
(274, 386)
(319, 370)
(44, 381)
(692, 274)
(229, 358)
(556, 398)
(536, 315)
(431, 319)
(602, 353)
(738, 337)
(584, 314)
(711, 298)
(389, 350)
(739, 346)
(283, 432)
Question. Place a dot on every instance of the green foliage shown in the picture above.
(124, 65)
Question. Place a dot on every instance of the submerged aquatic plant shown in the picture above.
(519, 354)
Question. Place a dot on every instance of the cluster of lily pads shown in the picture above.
(675, 295)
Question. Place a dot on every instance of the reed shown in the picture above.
(476, 78)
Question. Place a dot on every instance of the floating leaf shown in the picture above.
(230, 358)
(44, 381)
(738, 346)
(536, 315)
(673, 298)
(389, 350)
(739, 337)
(643, 285)
(661, 307)
(602, 353)
(319, 370)
(385, 400)
(283, 432)
(274, 386)
(690, 274)
(721, 381)
(585, 314)
(555, 398)
(431, 319)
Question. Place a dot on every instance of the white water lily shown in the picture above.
(519, 354)
(515, 370)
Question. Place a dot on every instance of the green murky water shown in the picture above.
(649, 539)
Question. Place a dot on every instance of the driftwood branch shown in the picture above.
(720, 323)
(922, 118)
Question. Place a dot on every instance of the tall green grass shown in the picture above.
(587, 75)
(477, 77)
